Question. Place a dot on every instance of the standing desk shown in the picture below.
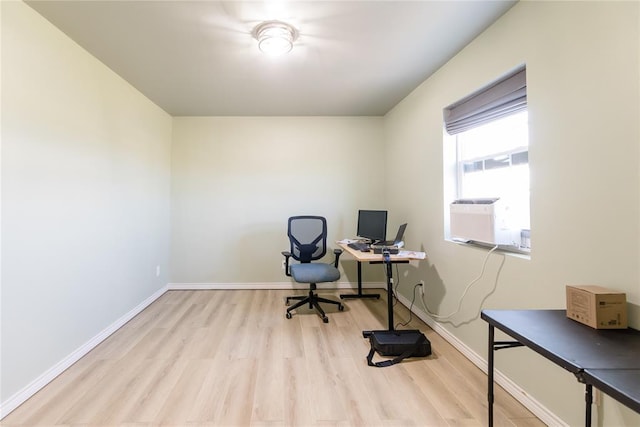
(605, 358)
(369, 257)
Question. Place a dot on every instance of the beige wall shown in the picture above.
(85, 188)
(583, 92)
(85, 197)
(235, 181)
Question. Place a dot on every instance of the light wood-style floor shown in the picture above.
(230, 358)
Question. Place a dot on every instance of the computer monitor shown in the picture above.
(372, 225)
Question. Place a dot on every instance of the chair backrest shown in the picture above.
(308, 237)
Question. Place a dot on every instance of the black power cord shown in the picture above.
(410, 307)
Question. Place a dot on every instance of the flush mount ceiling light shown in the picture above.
(275, 37)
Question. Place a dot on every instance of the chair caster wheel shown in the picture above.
(340, 307)
(325, 319)
(288, 315)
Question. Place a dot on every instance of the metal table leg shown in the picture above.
(359, 294)
(588, 397)
(490, 356)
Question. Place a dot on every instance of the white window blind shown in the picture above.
(499, 99)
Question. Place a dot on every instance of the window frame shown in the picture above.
(508, 96)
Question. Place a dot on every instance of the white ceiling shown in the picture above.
(198, 58)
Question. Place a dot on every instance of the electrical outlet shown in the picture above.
(421, 284)
(157, 271)
(283, 264)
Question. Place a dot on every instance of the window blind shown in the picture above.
(502, 98)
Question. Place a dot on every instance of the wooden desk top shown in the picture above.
(402, 256)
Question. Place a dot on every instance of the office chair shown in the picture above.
(308, 238)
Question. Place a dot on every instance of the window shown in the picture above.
(489, 133)
(493, 161)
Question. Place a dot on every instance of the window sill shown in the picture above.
(524, 253)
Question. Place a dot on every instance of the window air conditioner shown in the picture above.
(482, 220)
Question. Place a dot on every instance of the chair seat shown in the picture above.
(314, 273)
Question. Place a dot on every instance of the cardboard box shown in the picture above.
(596, 306)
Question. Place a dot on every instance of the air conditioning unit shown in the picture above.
(482, 220)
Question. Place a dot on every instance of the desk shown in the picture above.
(605, 358)
(369, 257)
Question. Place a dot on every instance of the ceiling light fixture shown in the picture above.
(275, 37)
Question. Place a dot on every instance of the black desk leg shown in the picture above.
(359, 294)
(367, 334)
(588, 397)
(490, 356)
(389, 294)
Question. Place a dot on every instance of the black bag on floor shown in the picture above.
(402, 343)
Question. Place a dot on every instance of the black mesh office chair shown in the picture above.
(308, 238)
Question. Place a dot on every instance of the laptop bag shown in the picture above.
(400, 343)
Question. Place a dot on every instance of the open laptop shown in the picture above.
(397, 240)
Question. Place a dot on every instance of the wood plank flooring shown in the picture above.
(230, 358)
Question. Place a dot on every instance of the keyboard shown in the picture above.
(360, 246)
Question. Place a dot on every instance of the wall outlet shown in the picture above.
(283, 264)
(421, 285)
(157, 271)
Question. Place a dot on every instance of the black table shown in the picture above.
(607, 359)
(621, 384)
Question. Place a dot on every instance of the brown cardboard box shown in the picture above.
(596, 306)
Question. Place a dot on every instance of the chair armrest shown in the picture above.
(286, 255)
(337, 253)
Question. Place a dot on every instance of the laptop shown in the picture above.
(397, 240)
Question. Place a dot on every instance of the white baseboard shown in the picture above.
(539, 410)
(36, 385)
(21, 396)
(270, 285)
(512, 388)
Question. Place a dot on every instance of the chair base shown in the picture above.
(314, 302)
